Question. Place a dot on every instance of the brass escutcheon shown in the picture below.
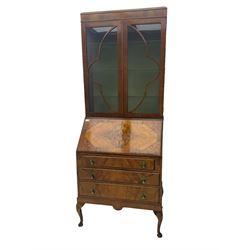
(143, 164)
(143, 179)
(143, 196)
(92, 191)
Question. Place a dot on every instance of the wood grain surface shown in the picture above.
(119, 176)
(133, 136)
(116, 191)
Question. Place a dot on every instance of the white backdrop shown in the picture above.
(206, 132)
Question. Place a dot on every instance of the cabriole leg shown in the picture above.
(79, 211)
(159, 217)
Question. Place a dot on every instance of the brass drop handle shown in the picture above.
(91, 174)
(92, 191)
(143, 165)
(143, 179)
(143, 196)
(91, 162)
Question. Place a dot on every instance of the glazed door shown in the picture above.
(145, 45)
(102, 71)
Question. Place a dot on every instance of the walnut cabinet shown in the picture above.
(119, 154)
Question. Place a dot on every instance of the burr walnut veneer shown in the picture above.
(119, 154)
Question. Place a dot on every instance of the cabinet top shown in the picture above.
(124, 14)
(121, 136)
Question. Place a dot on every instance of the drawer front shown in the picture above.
(121, 192)
(120, 176)
(115, 162)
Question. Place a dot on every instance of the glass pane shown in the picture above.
(144, 43)
(103, 69)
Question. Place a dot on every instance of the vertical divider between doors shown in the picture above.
(121, 73)
(125, 66)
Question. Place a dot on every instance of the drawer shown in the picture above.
(120, 176)
(120, 192)
(115, 162)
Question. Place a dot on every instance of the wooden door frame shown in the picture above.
(156, 20)
(84, 26)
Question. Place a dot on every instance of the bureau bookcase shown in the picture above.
(119, 154)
